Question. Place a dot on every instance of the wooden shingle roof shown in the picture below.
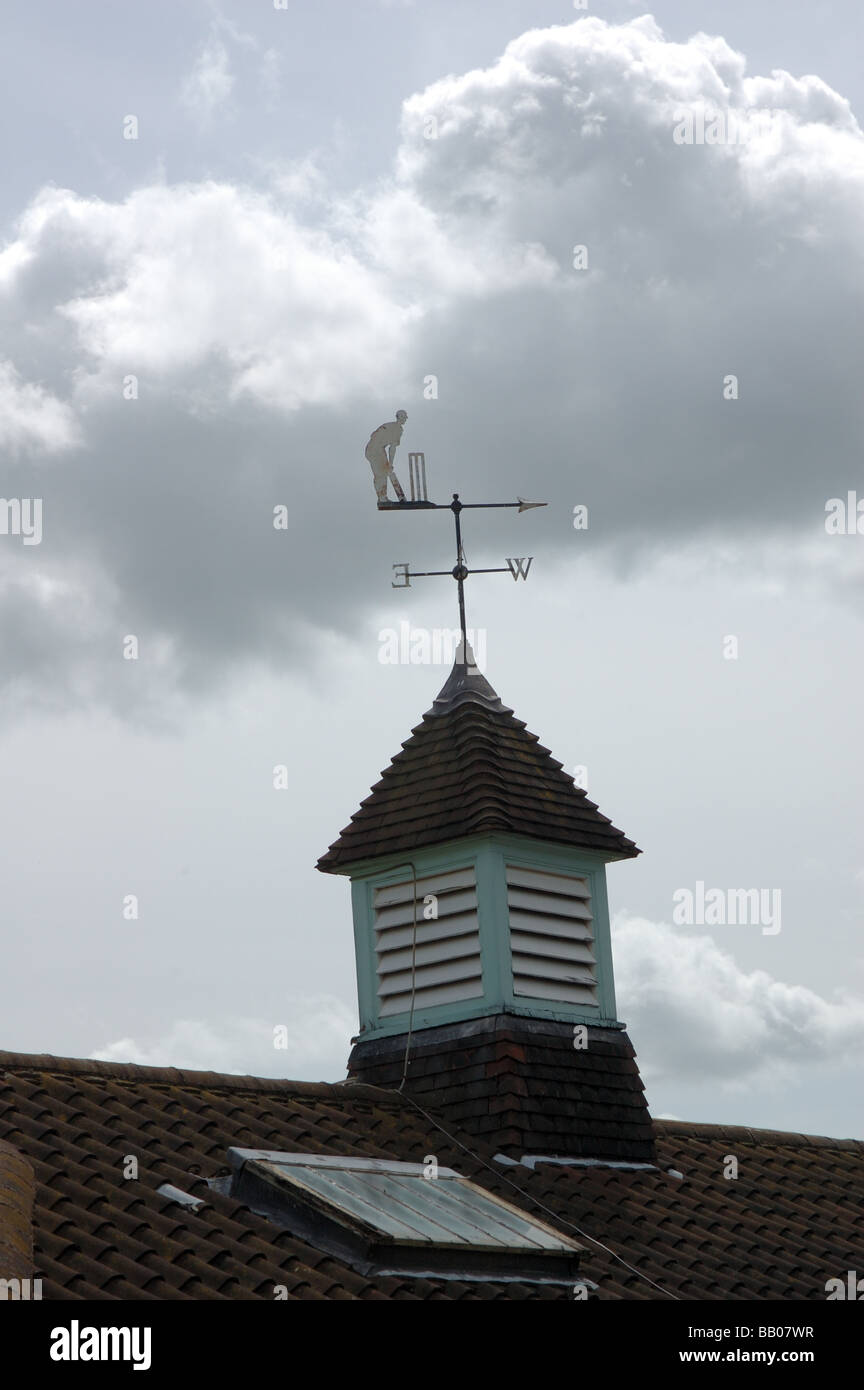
(519, 1084)
(471, 767)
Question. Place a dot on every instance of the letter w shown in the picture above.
(519, 568)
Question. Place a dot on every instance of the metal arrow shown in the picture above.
(460, 570)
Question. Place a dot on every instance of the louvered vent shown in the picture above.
(551, 936)
(447, 962)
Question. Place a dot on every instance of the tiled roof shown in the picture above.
(470, 767)
(790, 1221)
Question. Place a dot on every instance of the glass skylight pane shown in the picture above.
(486, 1211)
(468, 1220)
(397, 1202)
(380, 1200)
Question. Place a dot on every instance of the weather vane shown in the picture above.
(381, 453)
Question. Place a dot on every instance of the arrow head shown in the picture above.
(526, 506)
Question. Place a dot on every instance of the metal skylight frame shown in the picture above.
(386, 1217)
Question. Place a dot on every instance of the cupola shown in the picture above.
(481, 928)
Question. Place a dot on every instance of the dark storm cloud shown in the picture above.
(266, 348)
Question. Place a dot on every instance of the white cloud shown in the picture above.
(319, 1030)
(222, 281)
(268, 346)
(31, 418)
(210, 82)
(696, 1015)
(214, 80)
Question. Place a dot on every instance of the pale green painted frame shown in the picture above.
(488, 855)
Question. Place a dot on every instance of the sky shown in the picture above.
(235, 239)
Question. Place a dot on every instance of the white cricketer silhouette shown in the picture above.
(381, 453)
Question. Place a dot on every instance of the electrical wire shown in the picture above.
(502, 1177)
(385, 1090)
(409, 864)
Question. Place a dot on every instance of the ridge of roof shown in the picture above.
(466, 683)
(687, 1129)
(335, 1090)
(206, 1080)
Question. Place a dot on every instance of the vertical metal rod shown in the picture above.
(456, 507)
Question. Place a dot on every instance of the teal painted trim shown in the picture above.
(361, 911)
(603, 941)
(488, 855)
(458, 854)
(437, 857)
(494, 924)
(498, 863)
(542, 853)
(593, 868)
(558, 853)
(458, 1013)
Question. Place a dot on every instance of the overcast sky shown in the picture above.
(319, 209)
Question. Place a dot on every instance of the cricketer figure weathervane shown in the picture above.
(381, 453)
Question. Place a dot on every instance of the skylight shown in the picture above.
(384, 1217)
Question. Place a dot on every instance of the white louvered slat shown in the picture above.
(551, 936)
(442, 973)
(463, 925)
(449, 904)
(563, 884)
(557, 991)
(564, 927)
(445, 950)
(550, 904)
(544, 968)
(556, 948)
(443, 883)
(451, 993)
(426, 953)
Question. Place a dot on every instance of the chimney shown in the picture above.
(481, 927)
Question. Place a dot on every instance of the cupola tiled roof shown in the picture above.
(470, 767)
